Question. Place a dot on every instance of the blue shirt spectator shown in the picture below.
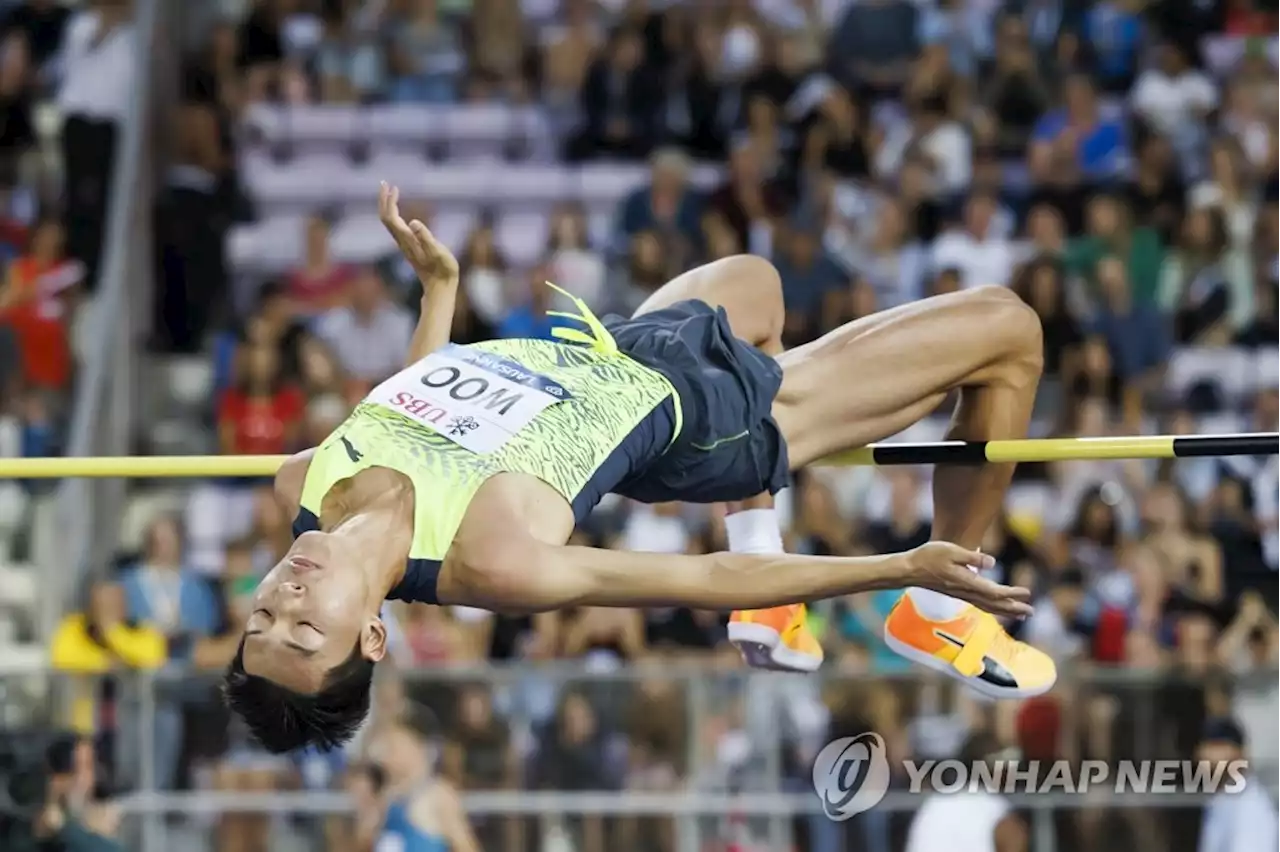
(527, 321)
(667, 205)
(161, 592)
(1115, 35)
(1099, 141)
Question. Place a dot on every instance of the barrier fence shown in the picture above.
(774, 723)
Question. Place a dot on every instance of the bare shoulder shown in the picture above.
(289, 480)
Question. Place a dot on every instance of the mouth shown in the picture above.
(301, 564)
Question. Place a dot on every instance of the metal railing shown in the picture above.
(772, 793)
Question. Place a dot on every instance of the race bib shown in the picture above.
(478, 400)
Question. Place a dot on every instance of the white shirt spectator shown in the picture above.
(369, 348)
(1266, 495)
(1239, 822)
(951, 152)
(97, 69)
(985, 261)
(1168, 103)
(957, 821)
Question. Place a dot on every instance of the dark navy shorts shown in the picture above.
(729, 446)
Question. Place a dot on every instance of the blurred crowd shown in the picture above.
(1113, 162)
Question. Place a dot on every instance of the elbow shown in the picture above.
(513, 580)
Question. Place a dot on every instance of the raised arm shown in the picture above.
(436, 268)
(507, 573)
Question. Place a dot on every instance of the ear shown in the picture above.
(373, 640)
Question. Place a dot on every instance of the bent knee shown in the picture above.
(1015, 327)
(755, 282)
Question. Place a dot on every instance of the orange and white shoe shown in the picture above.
(777, 638)
(971, 647)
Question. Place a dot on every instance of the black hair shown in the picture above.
(283, 720)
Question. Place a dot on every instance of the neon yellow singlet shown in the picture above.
(467, 413)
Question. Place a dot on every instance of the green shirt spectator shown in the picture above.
(1111, 233)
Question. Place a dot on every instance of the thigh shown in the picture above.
(872, 378)
(746, 286)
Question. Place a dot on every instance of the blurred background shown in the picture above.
(192, 263)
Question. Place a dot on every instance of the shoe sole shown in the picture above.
(915, 655)
(762, 648)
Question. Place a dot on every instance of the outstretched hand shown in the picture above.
(949, 569)
(430, 259)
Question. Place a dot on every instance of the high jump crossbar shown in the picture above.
(881, 455)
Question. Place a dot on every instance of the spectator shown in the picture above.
(427, 54)
(834, 138)
(1247, 118)
(1157, 195)
(1079, 134)
(572, 756)
(1040, 284)
(1244, 820)
(480, 755)
(41, 24)
(262, 412)
(96, 641)
(1111, 231)
(97, 63)
(163, 593)
(872, 46)
(807, 274)
(746, 203)
(528, 318)
(890, 262)
(1058, 627)
(620, 101)
(321, 282)
(977, 250)
(36, 303)
(17, 134)
(568, 48)
(1204, 282)
(498, 61)
(1137, 335)
(1114, 29)
(572, 262)
(370, 333)
(975, 819)
(645, 271)
(667, 206)
(1175, 99)
(70, 819)
(1015, 95)
(348, 64)
(483, 274)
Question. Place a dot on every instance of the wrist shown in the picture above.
(437, 282)
(896, 569)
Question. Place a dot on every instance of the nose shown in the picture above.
(295, 589)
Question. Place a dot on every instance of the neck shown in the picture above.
(377, 536)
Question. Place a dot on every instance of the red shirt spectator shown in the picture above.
(261, 414)
(321, 283)
(34, 302)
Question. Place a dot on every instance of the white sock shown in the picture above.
(936, 606)
(754, 531)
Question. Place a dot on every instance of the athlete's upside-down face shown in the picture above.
(309, 613)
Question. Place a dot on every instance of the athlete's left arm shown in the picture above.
(437, 271)
(453, 820)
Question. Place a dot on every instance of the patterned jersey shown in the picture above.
(466, 413)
